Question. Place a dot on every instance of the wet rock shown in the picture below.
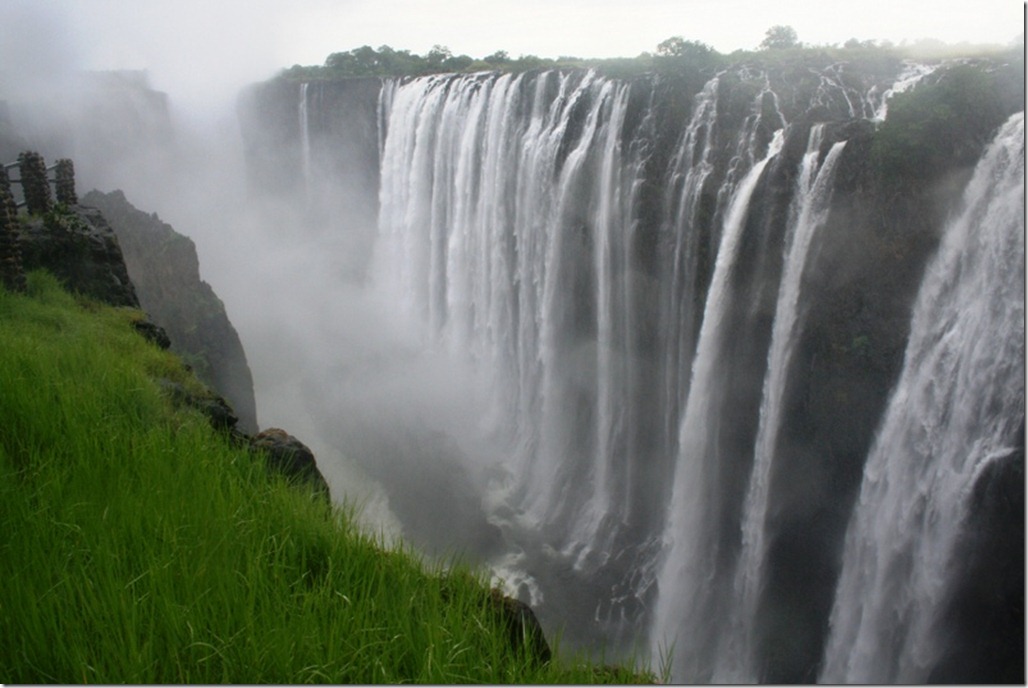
(290, 457)
(522, 626)
(165, 270)
(216, 409)
(82, 251)
(153, 333)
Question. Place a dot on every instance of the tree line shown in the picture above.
(669, 55)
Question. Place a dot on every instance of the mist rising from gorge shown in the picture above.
(556, 321)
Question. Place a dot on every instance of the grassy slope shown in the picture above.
(138, 546)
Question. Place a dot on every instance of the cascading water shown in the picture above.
(689, 576)
(955, 410)
(907, 79)
(630, 273)
(810, 206)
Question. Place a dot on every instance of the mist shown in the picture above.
(543, 444)
(333, 361)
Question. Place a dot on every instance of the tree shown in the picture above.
(780, 37)
(854, 43)
(438, 56)
(671, 47)
(500, 57)
(676, 46)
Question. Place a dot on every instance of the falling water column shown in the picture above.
(956, 409)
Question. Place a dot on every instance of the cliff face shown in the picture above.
(163, 266)
(81, 250)
(107, 121)
(605, 245)
(315, 147)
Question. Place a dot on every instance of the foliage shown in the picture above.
(675, 56)
(139, 546)
(780, 37)
(947, 119)
(678, 55)
(385, 61)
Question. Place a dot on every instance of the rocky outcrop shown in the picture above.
(523, 628)
(78, 246)
(164, 267)
(524, 631)
(214, 408)
(291, 458)
(80, 249)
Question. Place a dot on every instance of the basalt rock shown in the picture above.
(165, 270)
(523, 628)
(284, 453)
(80, 249)
(153, 333)
(517, 618)
(290, 457)
(216, 409)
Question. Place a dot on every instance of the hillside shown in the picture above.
(165, 270)
(139, 545)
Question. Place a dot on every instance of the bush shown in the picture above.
(938, 125)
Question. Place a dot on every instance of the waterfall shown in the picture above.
(648, 283)
(691, 166)
(810, 206)
(689, 576)
(486, 194)
(954, 410)
(912, 73)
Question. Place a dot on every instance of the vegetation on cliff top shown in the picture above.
(946, 121)
(138, 545)
(670, 56)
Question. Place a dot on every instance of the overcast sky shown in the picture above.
(200, 50)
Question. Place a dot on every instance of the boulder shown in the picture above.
(216, 409)
(522, 625)
(292, 458)
(153, 333)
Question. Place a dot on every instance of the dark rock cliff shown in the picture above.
(315, 146)
(107, 121)
(79, 247)
(164, 268)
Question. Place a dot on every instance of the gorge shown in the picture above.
(720, 361)
(736, 359)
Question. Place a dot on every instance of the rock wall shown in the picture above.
(164, 267)
(80, 249)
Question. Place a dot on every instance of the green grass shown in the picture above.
(139, 546)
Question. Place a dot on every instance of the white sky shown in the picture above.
(203, 50)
